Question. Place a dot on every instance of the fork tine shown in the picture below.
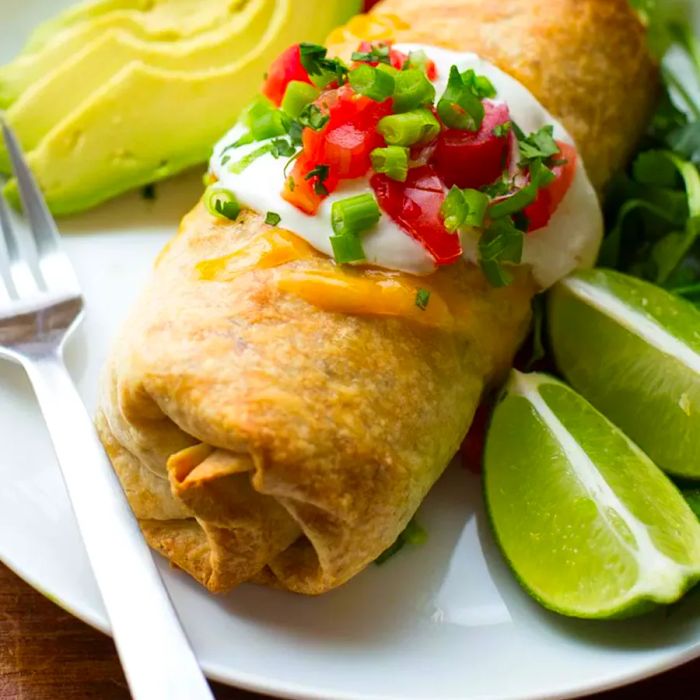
(54, 264)
(21, 282)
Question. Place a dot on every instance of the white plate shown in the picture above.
(443, 621)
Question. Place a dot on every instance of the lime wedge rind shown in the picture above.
(633, 351)
(660, 579)
(635, 322)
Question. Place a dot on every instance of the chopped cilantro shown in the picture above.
(501, 242)
(413, 534)
(422, 299)
(502, 130)
(323, 70)
(313, 117)
(281, 148)
(319, 174)
(538, 145)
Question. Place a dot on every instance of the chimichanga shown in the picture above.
(277, 417)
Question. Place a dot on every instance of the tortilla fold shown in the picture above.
(261, 437)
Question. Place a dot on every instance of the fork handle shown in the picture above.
(156, 656)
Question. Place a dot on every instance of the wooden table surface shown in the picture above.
(45, 654)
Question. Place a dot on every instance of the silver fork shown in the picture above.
(38, 309)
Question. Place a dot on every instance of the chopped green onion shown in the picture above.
(422, 299)
(221, 202)
(480, 85)
(354, 215)
(391, 161)
(297, 96)
(464, 208)
(416, 126)
(347, 249)
(386, 68)
(272, 218)
(379, 53)
(413, 89)
(313, 117)
(370, 82)
(460, 106)
(417, 60)
(265, 121)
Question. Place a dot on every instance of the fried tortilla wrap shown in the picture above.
(277, 418)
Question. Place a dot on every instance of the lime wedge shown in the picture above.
(591, 527)
(633, 350)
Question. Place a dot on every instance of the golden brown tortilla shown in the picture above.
(260, 437)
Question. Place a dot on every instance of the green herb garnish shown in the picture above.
(379, 53)
(460, 106)
(368, 81)
(221, 202)
(323, 70)
(464, 209)
(391, 161)
(653, 210)
(414, 127)
(313, 117)
(502, 130)
(422, 299)
(319, 175)
(412, 90)
(501, 242)
(538, 145)
(413, 534)
(272, 218)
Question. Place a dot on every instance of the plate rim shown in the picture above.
(293, 691)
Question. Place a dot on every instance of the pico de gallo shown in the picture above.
(438, 164)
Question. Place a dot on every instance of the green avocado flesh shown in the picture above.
(163, 22)
(126, 110)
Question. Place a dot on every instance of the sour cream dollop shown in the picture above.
(571, 239)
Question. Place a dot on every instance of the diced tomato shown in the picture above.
(549, 198)
(285, 68)
(398, 59)
(343, 144)
(415, 206)
(472, 159)
(472, 450)
(369, 4)
(346, 141)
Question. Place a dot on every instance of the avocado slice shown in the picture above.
(69, 84)
(163, 21)
(75, 14)
(146, 123)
